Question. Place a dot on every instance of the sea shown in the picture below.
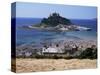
(33, 36)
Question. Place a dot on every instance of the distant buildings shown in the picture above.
(55, 49)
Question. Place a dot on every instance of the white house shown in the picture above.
(52, 50)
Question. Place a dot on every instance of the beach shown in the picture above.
(34, 65)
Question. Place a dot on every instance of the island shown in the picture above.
(55, 22)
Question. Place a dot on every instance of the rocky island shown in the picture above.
(56, 22)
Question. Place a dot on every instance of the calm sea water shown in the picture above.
(26, 36)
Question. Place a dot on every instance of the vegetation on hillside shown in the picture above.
(54, 19)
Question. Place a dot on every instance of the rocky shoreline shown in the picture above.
(59, 27)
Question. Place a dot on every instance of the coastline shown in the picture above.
(60, 27)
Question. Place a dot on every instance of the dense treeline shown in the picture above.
(55, 19)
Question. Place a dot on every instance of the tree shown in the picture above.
(89, 53)
(54, 19)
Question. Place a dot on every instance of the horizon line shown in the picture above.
(45, 17)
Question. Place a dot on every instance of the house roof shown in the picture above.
(52, 50)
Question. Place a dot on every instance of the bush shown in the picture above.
(69, 57)
(95, 54)
(89, 53)
(56, 57)
(39, 57)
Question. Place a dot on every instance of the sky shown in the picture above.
(38, 10)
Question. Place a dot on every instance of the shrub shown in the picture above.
(89, 53)
(55, 57)
(39, 56)
(69, 57)
(95, 54)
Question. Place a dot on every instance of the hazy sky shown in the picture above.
(37, 10)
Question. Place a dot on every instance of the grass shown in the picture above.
(34, 65)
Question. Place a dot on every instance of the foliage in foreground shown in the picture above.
(89, 53)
